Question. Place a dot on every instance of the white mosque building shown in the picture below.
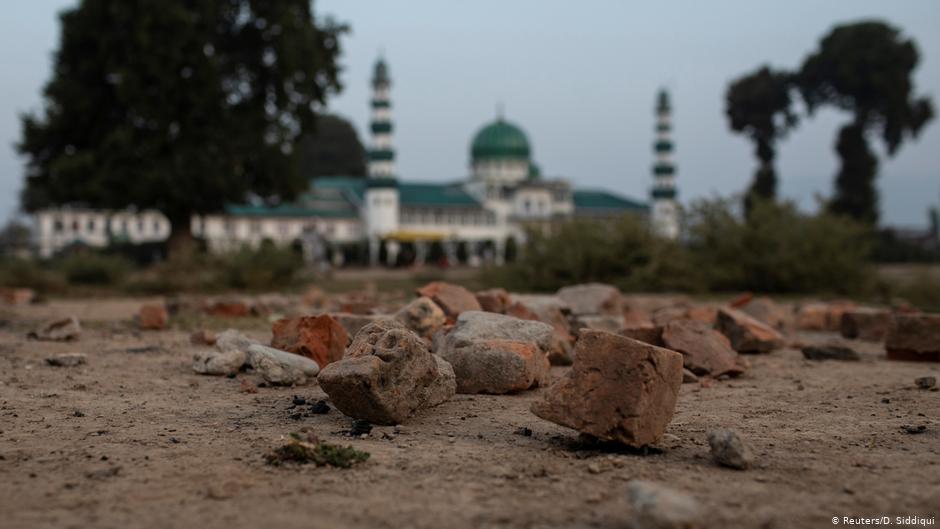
(383, 219)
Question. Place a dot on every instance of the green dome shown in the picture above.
(500, 140)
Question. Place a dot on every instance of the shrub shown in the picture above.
(267, 267)
(92, 268)
(778, 249)
(28, 273)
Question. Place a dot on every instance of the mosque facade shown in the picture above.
(385, 219)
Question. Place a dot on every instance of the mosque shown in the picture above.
(386, 220)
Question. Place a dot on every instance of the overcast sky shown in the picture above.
(578, 77)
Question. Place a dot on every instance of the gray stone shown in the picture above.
(829, 352)
(280, 367)
(729, 450)
(228, 356)
(656, 506)
(67, 360)
(592, 298)
(494, 353)
(387, 375)
(422, 316)
(925, 382)
(59, 330)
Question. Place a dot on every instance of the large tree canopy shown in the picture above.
(332, 149)
(759, 105)
(866, 69)
(179, 105)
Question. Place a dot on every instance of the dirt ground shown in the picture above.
(135, 438)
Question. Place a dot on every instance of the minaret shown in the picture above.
(665, 216)
(381, 200)
(381, 155)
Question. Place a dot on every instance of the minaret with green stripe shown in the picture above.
(381, 154)
(665, 215)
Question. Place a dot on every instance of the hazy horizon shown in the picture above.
(581, 83)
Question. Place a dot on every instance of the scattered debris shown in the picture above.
(524, 431)
(320, 407)
(59, 330)
(301, 451)
(493, 353)
(592, 299)
(153, 317)
(729, 450)
(422, 316)
(618, 390)
(319, 338)
(747, 335)
(912, 429)
(705, 351)
(228, 357)
(656, 506)
(67, 359)
(830, 352)
(926, 382)
(453, 299)
(914, 337)
(388, 374)
(865, 323)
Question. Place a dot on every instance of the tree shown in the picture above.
(759, 105)
(333, 149)
(178, 105)
(933, 219)
(864, 68)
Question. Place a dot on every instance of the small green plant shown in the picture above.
(93, 268)
(301, 450)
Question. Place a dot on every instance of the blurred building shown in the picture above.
(384, 218)
(61, 228)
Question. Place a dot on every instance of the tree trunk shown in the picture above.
(855, 193)
(181, 243)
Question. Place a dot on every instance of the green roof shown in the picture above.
(434, 194)
(500, 140)
(594, 200)
(286, 210)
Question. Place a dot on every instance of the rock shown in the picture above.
(741, 300)
(228, 356)
(866, 324)
(422, 316)
(153, 317)
(656, 506)
(619, 389)
(280, 367)
(592, 299)
(353, 323)
(493, 300)
(229, 308)
(767, 311)
(319, 338)
(925, 382)
(747, 335)
(453, 299)
(498, 366)
(551, 314)
(705, 314)
(651, 334)
(67, 360)
(688, 377)
(830, 352)
(17, 296)
(914, 337)
(357, 304)
(611, 323)
(387, 375)
(705, 351)
(58, 330)
(817, 316)
(494, 353)
(729, 450)
(202, 337)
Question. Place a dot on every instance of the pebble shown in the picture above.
(925, 382)
(67, 360)
(656, 506)
(729, 450)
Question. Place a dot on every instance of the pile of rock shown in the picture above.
(233, 351)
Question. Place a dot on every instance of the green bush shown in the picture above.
(29, 273)
(267, 267)
(93, 268)
(778, 249)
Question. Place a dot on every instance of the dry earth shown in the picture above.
(135, 438)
